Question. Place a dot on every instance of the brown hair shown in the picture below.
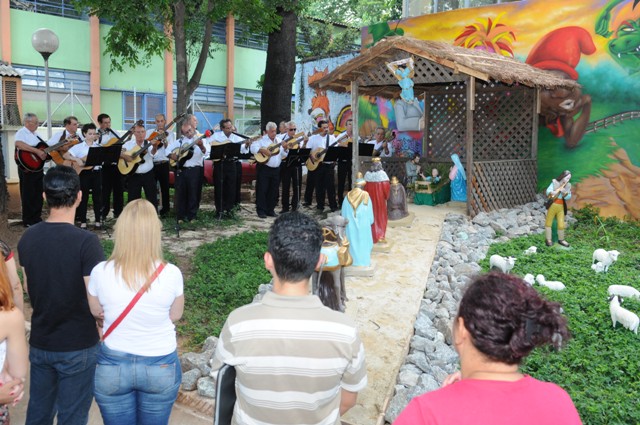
(507, 318)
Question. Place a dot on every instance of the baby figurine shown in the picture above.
(434, 177)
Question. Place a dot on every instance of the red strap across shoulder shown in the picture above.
(133, 301)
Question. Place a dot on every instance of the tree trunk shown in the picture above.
(182, 66)
(279, 71)
(4, 190)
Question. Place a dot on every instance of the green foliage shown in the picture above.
(599, 366)
(356, 13)
(226, 275)
(206, 220)
(324, 39)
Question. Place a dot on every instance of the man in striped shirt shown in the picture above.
(297, 361)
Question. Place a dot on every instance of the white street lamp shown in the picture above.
(46, 43)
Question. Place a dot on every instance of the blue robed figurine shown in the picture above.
(458, 180)
(358, 209)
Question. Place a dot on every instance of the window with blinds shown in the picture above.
(142, 106)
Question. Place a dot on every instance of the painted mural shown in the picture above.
(592, 131)
(402, 118)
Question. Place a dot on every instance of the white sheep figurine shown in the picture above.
(607, 258)
(529, 279)
(554, 285)
(624, 291)
(505, 264)
(531, 250)
(623, 316)
(598, 267)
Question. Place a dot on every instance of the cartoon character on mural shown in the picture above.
(320, 109)
(560, 51)
(491, 37)
(624, 47)
(382, 30)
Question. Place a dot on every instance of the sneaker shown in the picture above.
(97, 225)
(83, 225)
(564, 243)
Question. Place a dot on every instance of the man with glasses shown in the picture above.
(291, 174)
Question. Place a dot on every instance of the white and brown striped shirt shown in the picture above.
(293, 356)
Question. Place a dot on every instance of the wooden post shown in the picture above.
(425, 130)
(535, 123)
(231, 58)
(471, 93)
(355, 162)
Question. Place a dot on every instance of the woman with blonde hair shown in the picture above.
(14, 360)
(139, 296)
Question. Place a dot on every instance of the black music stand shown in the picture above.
(103, 155)
(364, 149)
(296, 158)
(332, 155)
(221, 153)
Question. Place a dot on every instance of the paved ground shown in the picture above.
(384, 306)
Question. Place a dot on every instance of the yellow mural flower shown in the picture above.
(491, 36)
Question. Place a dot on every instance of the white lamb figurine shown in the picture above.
(505, 264)
(529, 279)
(554, 285)
(624, 291)
(607, 258)
(531, 250)
(623, 316)
(598, 267)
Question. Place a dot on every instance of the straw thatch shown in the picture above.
(436, 62)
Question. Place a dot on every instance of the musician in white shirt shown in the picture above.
(26, 140)
(268, 178)
(324, 174)
(189, 175)
(227, 172)
(69, 133)
(112, 180)
(143, 177)
(161, 161)
(382, 147)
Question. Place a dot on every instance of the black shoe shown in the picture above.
(334, 209)
(272, 214)
(306, 205)
(548, 242)
(262, 215)
(563, 243)
(284, 211)
(319, 208)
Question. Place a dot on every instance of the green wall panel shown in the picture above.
(148, 79)
(111, 104)
(249, 67)
(73, 34)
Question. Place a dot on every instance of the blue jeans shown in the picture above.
(62, 382)
(134, 389)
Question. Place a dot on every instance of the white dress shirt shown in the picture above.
(219, 137)
(161, 153)
(147, 165)
(61, 135)
(265, 142)
(197, 160)
(26, 136)
(81, 150)
(378, 147)
(320, 141)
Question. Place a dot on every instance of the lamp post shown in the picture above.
(46, 43)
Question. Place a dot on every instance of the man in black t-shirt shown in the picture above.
(57, 259)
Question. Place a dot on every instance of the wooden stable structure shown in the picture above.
(480, 105)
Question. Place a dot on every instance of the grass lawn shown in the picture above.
(599, 366)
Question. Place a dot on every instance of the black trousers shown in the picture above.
(224, 183)
(112, 181)
(161, 174)
(326, 183)
(145, 181)
(344, 179)
(31, 196)
(267, 184)
(290, 177)
(238, 182)
(188, 186)
(90, 181)
(312, 177)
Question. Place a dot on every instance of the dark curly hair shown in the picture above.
(507, 318)
(295, 240)
(61, 187)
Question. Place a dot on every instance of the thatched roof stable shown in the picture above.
(436, 62)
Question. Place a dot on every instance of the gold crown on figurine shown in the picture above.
(376, 159)
(394, 180)
(360, 179)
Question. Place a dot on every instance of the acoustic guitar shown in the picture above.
(124, 137)
(273, 148)
(29, 161)
(161, 135)
(137, 157)
(184, 153)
